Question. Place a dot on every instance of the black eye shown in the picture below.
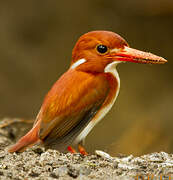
(102, 49)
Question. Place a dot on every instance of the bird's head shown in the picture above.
(96, 49)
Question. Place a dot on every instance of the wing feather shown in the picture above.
(74, 98)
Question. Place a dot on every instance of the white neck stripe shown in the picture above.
(110, 68)
(77, 63)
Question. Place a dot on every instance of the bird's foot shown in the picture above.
(71, 149)
(80, 148)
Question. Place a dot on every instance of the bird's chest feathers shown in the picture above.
(75, 91)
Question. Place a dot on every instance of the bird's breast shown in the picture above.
(74, 91)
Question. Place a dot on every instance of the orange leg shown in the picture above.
(82, 150)
(70, 149)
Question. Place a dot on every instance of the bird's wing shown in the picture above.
(73, 101)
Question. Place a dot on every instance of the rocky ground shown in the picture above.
(36, 163)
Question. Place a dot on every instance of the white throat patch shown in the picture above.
(77, 63)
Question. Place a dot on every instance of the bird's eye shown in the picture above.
(102, 49)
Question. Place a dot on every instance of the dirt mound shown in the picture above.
(38, 163)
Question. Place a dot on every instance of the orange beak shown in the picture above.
(133, 55)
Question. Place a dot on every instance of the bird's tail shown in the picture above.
(28, 140)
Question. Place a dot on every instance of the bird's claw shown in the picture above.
(80, 148)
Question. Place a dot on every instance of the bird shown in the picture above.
(84, 94)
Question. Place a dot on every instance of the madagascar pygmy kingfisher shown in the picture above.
(84, 94)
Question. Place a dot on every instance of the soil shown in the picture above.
(38, 163)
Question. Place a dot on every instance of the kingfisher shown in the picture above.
(84, 94)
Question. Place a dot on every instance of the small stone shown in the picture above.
(54, 175)
(33, 174)
(103, 154)
(48, 168)
(119, 172)
(84, 171)
(73, 172)
(38, 150)
(9, 174)
(155, 166)
(61, 171)
(115, 164)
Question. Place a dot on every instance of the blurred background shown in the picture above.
(36, 40)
